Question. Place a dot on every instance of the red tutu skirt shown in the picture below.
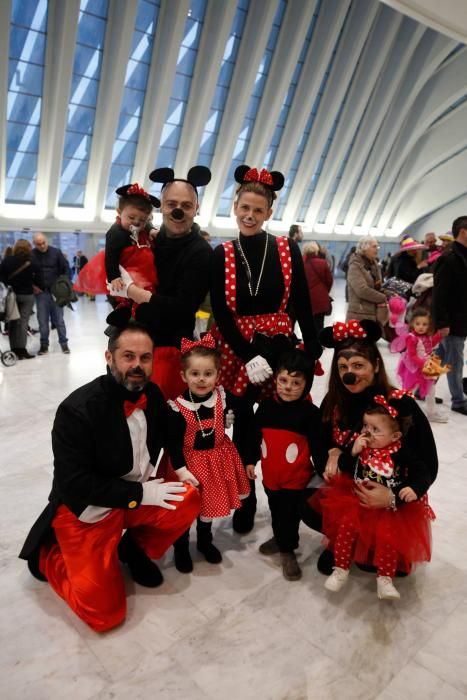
(406, 530)
(138, 262)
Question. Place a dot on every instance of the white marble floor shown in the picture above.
(228, 631)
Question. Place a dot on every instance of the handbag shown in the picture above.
(394, 285)
(11, 307)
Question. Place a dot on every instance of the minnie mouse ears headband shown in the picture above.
(198, 176)
(272, 180)
(122, 318)
(333, 336)
(388, 403)
(135, 189)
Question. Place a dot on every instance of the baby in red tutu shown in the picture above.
(128, 245)
(393, 538)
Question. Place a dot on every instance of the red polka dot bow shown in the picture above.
(379, 459)
(207, 341)
(129, 406)
(379, 398)
(352, 329)
(264, 176)
(136, 189)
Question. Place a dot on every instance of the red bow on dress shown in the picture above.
(207, 341)
(136, 189)
(264, 176)
(352, 329)
(379, 398)
(379, 459)
(129, 406)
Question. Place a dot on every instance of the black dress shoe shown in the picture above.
(460, 409)
(33, 565)
(143, 570)
(326, 562)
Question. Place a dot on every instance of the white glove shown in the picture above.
(229, 418)
(184, 474)
(157, 492)
(258, 370)
(127, 281)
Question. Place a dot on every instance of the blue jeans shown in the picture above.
(48, 309)
(452, 352)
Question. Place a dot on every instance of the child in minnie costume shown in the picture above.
(286, 434)
(388, 538)
(420, 343)
(200, 451)
(128, 248)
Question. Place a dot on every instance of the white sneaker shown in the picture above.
(386, 589)
(437, 418)
(337, 579)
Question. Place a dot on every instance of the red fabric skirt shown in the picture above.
(138, 262)
(407, 530)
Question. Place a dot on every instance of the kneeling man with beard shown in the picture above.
(106, 440)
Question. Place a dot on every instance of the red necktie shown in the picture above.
(129, 406)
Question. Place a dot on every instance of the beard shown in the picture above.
(133, 380)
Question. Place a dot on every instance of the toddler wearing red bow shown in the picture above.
(200, 451)
(128, 248)
(392, 538)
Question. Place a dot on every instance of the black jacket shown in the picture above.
(449, 305)
(22, 282)
(52, 264)
(183, 266)
(92, 451)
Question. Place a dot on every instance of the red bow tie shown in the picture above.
(207, 341)
(129, 406)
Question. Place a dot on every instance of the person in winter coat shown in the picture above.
(319, 279)
(366, 300)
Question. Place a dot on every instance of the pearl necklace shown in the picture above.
(247, 266)
(204, 433)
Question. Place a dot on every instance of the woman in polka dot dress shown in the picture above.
(286, 434)
(258, 291)
(389, 538)
(200, 451)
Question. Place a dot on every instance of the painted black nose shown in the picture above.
(177, 214)
(349, 378)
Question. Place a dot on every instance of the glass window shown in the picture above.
(32, 15)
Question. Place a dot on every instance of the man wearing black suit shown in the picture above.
(106, 440)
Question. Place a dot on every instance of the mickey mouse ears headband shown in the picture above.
(123, 317)
(135, 189)
(198, 176)
(272, 180)
(334, 336)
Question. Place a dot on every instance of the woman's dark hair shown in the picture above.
(401, 423)
(135, 200)
(200, 351)
(295, 362)
(338, 399)
(422, 312)
(256, 188)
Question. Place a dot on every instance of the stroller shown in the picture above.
(8, 357)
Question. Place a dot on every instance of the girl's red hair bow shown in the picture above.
(207, 341)
(379, 398)
(136, 189)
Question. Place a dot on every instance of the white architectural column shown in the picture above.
(118, 37)
(357, 27)
(61, 43)
(5, 13)
(255, 37)
(169, 35)
(292, 35)
(216, 30)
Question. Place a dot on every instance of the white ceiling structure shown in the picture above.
(361, 104)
